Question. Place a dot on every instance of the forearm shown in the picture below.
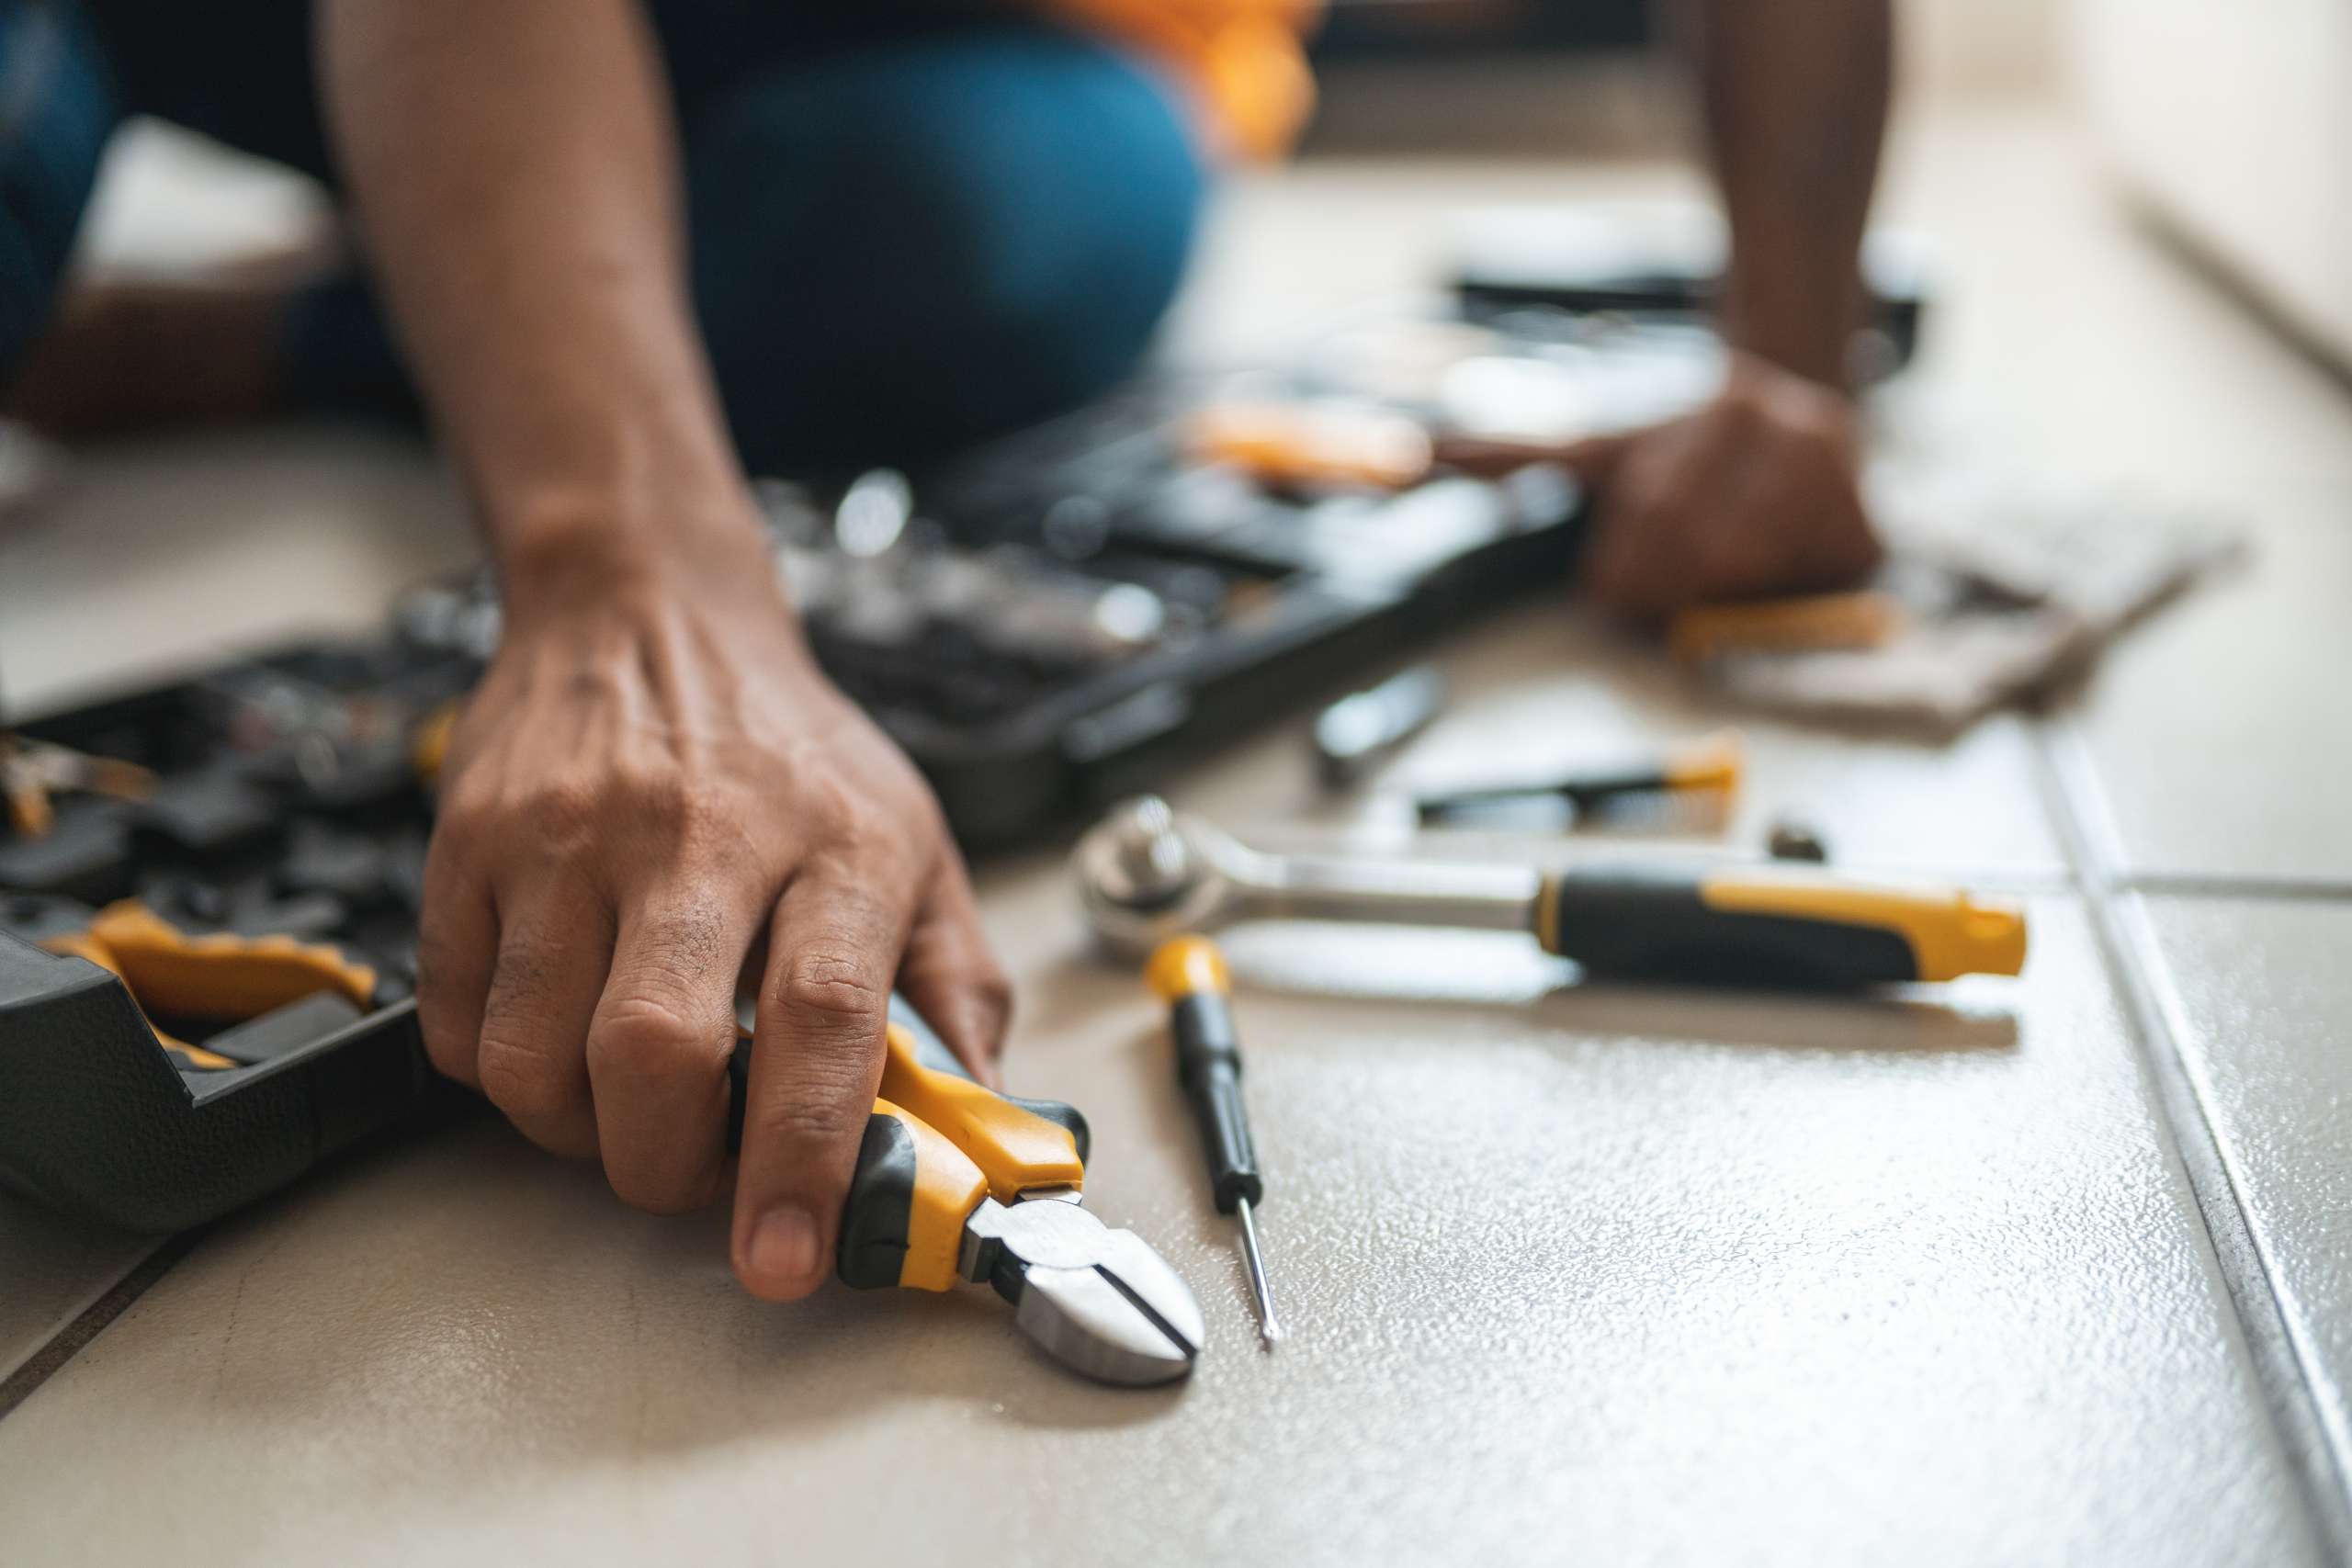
(513, 170)
(1797, 94)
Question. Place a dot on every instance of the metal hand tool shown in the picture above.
(1863, 618)
(1359, 732)
(33, 773)
(955, 1181)
(216, 977)
(1187, 974)
(1711, 764)
(1146, 874)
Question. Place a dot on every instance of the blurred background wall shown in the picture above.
(1486, 75)
(2227, 127)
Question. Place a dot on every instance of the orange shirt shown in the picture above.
(1246, 58)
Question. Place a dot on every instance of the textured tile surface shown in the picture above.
(2263, 997)
(1625, 1277)
(1574, 1273)
(2222, 731)
(51, 1269)
(163, 552)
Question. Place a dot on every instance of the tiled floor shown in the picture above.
(2043, 1272)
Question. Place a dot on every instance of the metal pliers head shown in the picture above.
(956, 1182)
(1100, 1300)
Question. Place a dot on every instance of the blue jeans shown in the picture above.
(911, 225)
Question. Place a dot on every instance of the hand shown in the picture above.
(653, 797)
(1753, 495)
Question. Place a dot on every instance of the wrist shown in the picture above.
(588, 552)
(1806, 332)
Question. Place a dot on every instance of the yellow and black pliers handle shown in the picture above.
(955, 1181)
(937, 1142)
(1767, 928)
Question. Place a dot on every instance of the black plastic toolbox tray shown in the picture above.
(96, 1121)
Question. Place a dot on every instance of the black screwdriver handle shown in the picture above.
(1779, 928)
(1208, 1064)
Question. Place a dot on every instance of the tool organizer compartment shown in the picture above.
(286, 830)
(1045, 625)
(96, 1121)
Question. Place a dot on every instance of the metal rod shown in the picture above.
(1269, 1328)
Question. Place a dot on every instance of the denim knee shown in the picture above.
(902, 248)
(58, 113)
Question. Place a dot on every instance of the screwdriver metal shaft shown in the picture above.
(1269, 1327)
(1187, 974)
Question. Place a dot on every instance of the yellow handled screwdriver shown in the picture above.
(1189, 975)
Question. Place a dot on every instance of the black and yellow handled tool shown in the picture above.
(1771, 928)
(1189, 975)
(956, 1182)
(252, 985)
(1710, 765)
(1360, 731)
(155, 1075)
(953, 1182)
(33, 773)
(1863, 618)
(1312, 444)
(1146, 874)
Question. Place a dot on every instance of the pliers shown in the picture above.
(215, 976)
(33, 773)
(955, 1181)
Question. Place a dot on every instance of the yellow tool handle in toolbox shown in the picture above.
(218, 977)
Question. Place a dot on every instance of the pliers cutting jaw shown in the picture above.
(956, 1182)
(1098, 1300)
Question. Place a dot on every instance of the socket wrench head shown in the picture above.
(1146, 874)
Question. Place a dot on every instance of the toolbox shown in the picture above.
(288, 814)
(205, 986)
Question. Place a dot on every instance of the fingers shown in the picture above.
(1754, 494)
(456, 941)
(952, 979)
(553, 954)
(833, 947)
(659, 1043)
(1655, 500)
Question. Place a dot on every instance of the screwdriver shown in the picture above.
(1708, 765)
(1187, 974)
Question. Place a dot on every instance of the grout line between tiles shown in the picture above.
(2198, 884)
(2284, 1360)
(91, 1321)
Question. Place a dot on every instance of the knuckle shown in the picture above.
(562, 812)
(816, 1116)
(661, 797)
(647, 1035)
(830, 815)
(518, 1079)
(466, 798)
(830, 983)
